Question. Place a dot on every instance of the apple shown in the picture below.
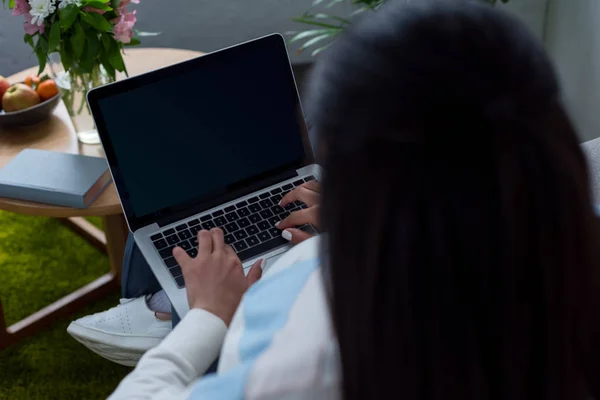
(19, 97)
(4, 85)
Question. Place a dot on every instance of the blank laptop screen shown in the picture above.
(186, 136)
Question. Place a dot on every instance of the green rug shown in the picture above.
(41, 261)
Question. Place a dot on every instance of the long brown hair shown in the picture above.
(462, 238)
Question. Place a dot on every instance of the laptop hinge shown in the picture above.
(232, 195)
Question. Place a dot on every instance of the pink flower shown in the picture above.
(32, 28)
(21, 7)
(93, 10)
(124, 27)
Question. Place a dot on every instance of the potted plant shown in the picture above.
(82, 42)
(325, 26)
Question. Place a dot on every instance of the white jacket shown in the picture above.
(280, 344)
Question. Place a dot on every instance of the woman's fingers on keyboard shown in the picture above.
(304, 194)
(295, 236)
(301, 217)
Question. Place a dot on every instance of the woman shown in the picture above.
(460, 258)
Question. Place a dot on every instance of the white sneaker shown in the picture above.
(122, 334)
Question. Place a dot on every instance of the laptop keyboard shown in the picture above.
(248, 226)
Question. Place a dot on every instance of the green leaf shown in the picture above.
(115, 58)
(141, 33)
(313, 41)
(11, 3)
(42, 44)
(333, 3)
(78, 41)
(66, 55)
(107, 41)
(28, 39)
(327, 16)
(68, 16)
(309, 21)
(93, 43)
(309, 33)
(42, 59)
(134, 42)
(320, 49)
(97, 21)
(99, 5)
(54, 40)
(106, 64)
(105, 2)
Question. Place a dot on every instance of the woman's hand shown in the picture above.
(310, 194)
(215, 280)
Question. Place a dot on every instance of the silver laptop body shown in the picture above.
(167, 197)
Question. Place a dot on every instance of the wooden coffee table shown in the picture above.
(58, 134)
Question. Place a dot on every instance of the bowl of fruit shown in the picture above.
(28, 102)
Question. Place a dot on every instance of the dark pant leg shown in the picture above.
(137, 279)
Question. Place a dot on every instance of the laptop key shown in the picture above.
(185, 235)
(264, 236)
(232, 216)
(266, 203)
(254, 218)
(195, 229)
(156, 237)
(193, 222)
(243, 212)
(303, 206)
(175, 271)
(244, 222)
(276, 190)
(276, 199)
(252, 241)
(181, 227)
(284, 215)
(298, 182)
(288, 187)
(180, 281)
(275, 232)
(169, 231)
(285, 192)
(309, 178)
(232, 227)
(241, 204)
(254, 208)
(160, 244)
(170, 262)
(167, 252)
(185, 245)
(220, 221)
(263, 225)
(252, 230)
(194, 241)
(266, 214)
(173, 239)
(239, 246)
(206, 218)
(264, 195)
(218, 213)
(289, 206)
(253, 200)
(229, 209)
(229, 239)
(277, 210)
(192, 253)
(208, 225)
(241, 234)
(261, 248)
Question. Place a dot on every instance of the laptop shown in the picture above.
(215, 141)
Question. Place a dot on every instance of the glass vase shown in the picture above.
(74, 86)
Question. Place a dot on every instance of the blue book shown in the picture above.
(60, 179)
